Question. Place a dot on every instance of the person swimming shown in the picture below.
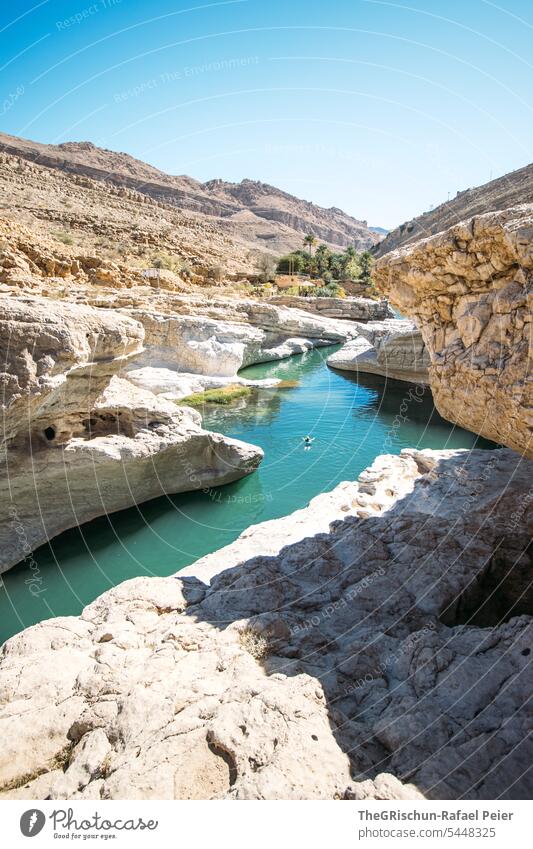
(307, 441)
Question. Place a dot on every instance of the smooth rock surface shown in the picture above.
(214, 347)
(174, 385)
(396, 352)
(348, 309)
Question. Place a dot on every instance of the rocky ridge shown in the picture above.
(250, 212)
(499, 194)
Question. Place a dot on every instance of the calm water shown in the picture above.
(351, 420)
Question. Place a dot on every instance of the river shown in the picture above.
(351, 420)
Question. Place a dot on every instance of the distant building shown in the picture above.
(287, 281)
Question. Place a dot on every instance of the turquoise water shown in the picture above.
(352, 420)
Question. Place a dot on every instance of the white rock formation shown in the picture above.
(313, 663)
(78, 441)
(190, 353)
(393, 349)
(174, 385)
(349, 309)
(198, 344)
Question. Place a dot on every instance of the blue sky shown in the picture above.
(380, 108)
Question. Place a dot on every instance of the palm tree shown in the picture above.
(310, 241)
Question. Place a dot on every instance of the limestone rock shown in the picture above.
(172, 384)
(317, 663)
(56, 359)
(469, 290)
(348, 309)
(79, 442)
(397, 353)
(209, 346)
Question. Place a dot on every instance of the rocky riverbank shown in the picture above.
(394, 349)
(313, 664)
(89, 420)
(78, 440)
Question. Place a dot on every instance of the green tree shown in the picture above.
(352, 268)
(336, 265)
(290, 264)
(322, 258)
(266, 265)
(310, 241)
(366, 261)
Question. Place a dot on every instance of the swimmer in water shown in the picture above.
(307, 442)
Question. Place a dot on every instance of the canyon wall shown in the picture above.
(469, 291)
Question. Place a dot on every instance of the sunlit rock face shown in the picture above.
(469, 290)
(391, 348)
(78, 440)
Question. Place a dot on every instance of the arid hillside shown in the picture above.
(252, 213)
(507, 191)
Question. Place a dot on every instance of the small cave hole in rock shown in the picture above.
(228, 760)
(501, 591)
(50, 433)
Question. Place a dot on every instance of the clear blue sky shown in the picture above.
(380, 108)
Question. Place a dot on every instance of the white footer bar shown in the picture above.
(257, 824)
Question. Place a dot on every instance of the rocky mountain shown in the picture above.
(502, 193)
(263, 216)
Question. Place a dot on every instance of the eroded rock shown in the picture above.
(337, 663)
(80, 442)
(393, 349)
(469, 290)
